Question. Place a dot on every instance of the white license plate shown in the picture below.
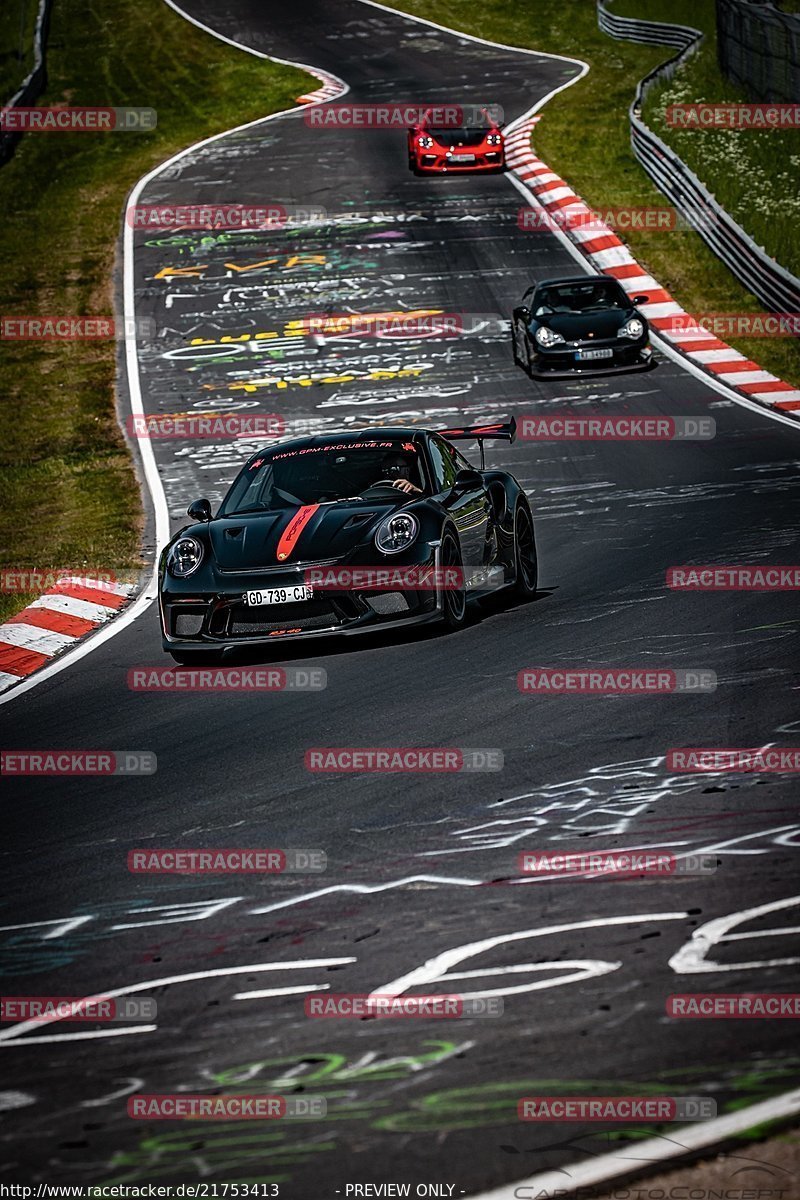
(585, 355)
(287, 595)
(462, 157)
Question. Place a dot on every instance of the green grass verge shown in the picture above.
(17, 31)
(584, 135)
(754, 174)
(68, 492)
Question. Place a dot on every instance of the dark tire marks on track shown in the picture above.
(410, 1101)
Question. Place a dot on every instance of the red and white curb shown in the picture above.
(71, 609)
(604, 250)
(331, 88)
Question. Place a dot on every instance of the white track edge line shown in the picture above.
(92, 641)
(151, 477)
(608, 1167)
(670, 351)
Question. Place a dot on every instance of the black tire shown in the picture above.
(522, 363)
(454, 600)
(525, 557)
(197, 658)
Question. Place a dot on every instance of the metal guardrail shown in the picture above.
(758, 48)
(33, 86)
(776, 288)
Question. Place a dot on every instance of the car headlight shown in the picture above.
(397, 532)
(494, 139)
(184, 557)
(632, 329)
(425, 141)
(547, 337)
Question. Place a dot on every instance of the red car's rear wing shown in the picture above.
(500, 431)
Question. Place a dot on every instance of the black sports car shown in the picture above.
(580, 325)
(343, 533)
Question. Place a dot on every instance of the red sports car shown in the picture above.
(477, 147)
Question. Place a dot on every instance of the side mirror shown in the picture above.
(467, 481)
(200, 510)
(640, 299)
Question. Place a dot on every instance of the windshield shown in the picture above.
(579, 298)
(316, 474)
(471, 135)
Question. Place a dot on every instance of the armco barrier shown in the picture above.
(774, 286)
(758, 48)
(34, 85)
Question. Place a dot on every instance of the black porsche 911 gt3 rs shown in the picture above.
(340, 533)
(578, 326)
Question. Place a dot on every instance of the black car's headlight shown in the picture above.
(184, 557)
(547, 337)
(632, 329)
(397, 532)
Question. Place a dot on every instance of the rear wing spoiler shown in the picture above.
(499, 431)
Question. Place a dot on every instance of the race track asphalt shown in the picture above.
(418, 865)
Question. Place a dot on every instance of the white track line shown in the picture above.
(666, 347)
(625, 1161)
(151, 472)
(152, 478)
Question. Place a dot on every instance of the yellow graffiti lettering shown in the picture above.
(181, 272)
(265, 262)
(305, 260)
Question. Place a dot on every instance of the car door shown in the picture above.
(469, 509)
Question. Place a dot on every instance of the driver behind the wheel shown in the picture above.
(398, 468)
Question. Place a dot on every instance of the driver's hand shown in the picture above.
(405, 485)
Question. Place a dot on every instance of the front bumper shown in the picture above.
(218, 619)
(561, 361)
(440, 164)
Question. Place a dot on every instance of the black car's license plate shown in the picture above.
(585, 355)
(284, 595)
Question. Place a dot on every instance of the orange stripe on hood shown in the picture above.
(293, 530)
